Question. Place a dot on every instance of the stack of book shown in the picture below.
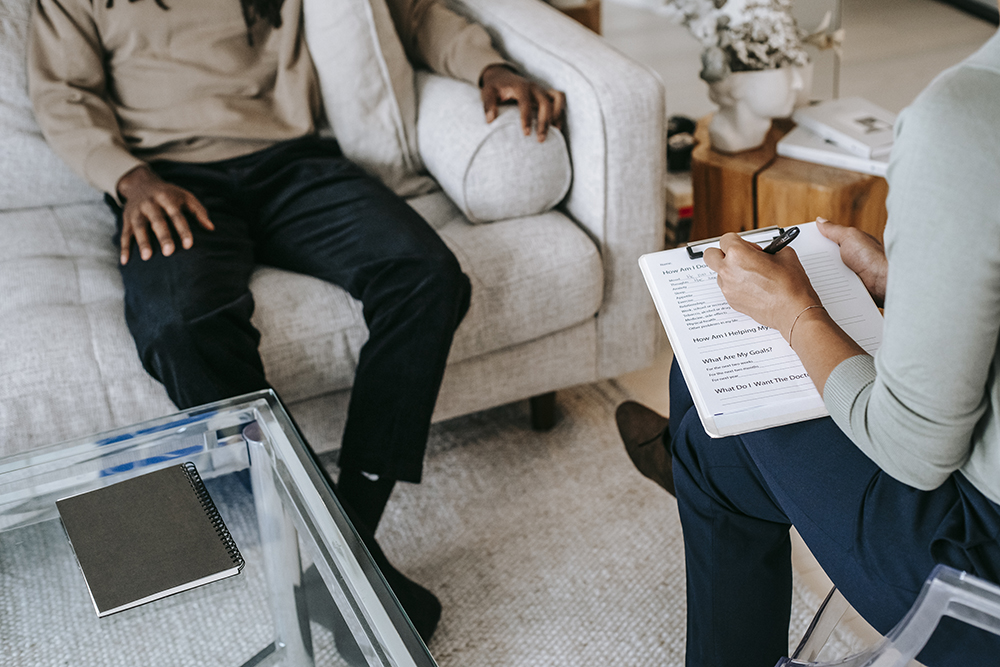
(849, 133)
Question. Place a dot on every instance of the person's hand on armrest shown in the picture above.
(499, 84)
(152, 203)
(863, 254)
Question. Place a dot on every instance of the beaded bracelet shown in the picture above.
(792, 328)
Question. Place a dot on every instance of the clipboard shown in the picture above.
(707, 243)
(742, 375)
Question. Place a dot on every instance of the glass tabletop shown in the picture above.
(309, 593)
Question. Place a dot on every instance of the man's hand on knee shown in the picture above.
(500, 84)
(153, 204)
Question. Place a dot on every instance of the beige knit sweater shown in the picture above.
(116, 87)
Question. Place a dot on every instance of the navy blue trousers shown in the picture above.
(877, 538)
(302, 206)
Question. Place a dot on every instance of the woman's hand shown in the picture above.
(775, 291)
(772, 289)
(863, 254)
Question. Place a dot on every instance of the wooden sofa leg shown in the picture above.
(543, 411)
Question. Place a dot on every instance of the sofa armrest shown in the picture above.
(490, 170)
(616, 131)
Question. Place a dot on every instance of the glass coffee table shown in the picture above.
(309, 593)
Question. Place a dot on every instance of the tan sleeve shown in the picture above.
(66, 82)
(436, 37)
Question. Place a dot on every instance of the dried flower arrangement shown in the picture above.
(741, 35)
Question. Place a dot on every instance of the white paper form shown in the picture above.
(743, 376)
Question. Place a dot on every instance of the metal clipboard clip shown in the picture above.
(697, 254)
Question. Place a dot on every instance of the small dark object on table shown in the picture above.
(680, 143)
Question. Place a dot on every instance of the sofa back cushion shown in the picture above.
(367, 87)
(32, 174)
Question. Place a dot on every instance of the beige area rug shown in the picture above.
(548, 549)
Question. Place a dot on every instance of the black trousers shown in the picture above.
(302, 206)
(877, 538)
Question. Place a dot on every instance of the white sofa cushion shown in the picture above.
(490, 170)
(367, 87)
(32, 174)
(530, 277)
(69, 363)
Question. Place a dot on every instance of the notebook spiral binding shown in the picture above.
(213, 513)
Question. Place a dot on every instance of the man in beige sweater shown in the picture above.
(197, 118)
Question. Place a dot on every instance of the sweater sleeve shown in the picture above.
(915, 409)
(436, 37)
(67, 85)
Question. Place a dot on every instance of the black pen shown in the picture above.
(780, 242)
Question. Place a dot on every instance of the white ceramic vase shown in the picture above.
(749, 100)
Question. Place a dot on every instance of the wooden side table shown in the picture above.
(741, 191)
(587, 13)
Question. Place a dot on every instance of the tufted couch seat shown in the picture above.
(557, 297)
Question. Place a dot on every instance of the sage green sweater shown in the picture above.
(928, 404)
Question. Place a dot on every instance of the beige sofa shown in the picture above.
(558, 299)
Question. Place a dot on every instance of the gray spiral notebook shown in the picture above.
(148, 537)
